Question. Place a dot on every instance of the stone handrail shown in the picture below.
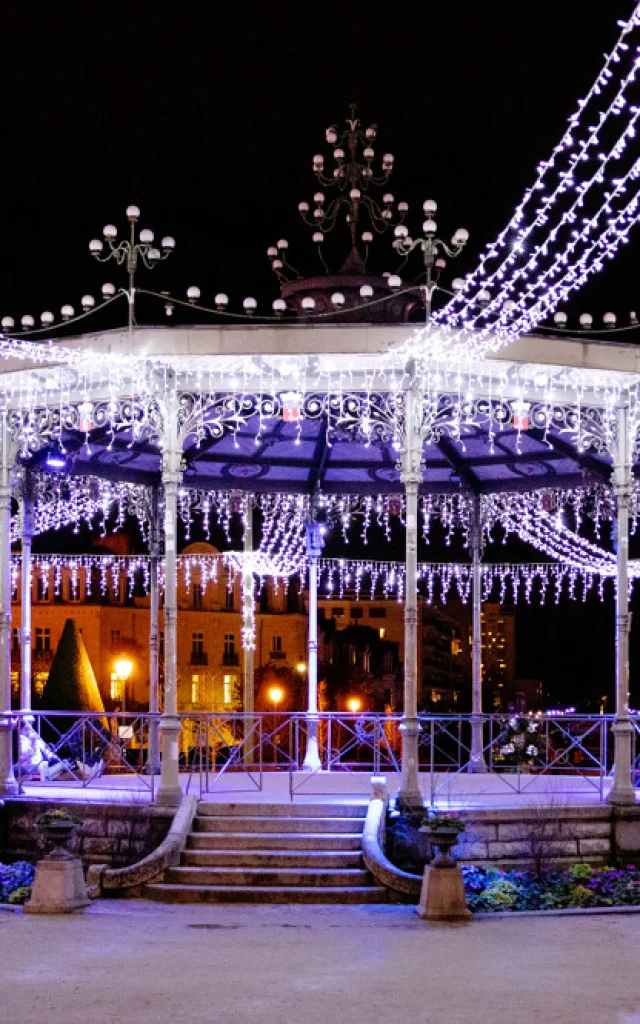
(103, 880)
(384, 872)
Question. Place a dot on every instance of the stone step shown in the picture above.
(239, 823)
(211, 808)
(269, 877)
(168, 893)
(319, 859)
(333, 841)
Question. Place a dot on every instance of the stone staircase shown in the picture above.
(271, 853)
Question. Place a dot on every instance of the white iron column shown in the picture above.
(476, 761)
(248, 628)
(622, 791)
(153, 760)
(314, 549)
(8, 785)
(25, 595)
(169, 792)
(409, 794)
(248, 608)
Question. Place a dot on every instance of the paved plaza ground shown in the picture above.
(135, 962)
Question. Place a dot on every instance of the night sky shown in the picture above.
(207, 116)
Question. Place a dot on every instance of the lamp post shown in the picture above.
(123, 668)
(276, 693)
(432, 248)
(129, 251)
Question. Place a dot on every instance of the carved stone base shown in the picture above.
(442, 897)
(58, 888)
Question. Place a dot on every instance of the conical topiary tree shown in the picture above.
(71, 685)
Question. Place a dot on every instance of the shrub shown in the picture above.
(488, 889)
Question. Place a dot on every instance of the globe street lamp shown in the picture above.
(276, 693)
(432, 247)
(129, 251)
(354, 704)
(123, 668)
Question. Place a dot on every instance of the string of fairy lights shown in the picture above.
(555, 238)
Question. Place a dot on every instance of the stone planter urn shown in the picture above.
(56, 837)
(59, 886)
(443, 839)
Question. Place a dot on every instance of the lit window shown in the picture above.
(39, 681)
(382, 632)
(228, 685)
(114, 688)
(195, 689)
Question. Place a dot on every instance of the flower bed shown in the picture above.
(16, 881)
(582, 886)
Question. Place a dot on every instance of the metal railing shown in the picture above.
(228, 752)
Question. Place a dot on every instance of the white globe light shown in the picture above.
(387, 198)
(27, 322)
(337, 299)
(282, 243)
(366, 291)
(354, 193)
(272, 252)
(193, 293)
(319, 198)
(441, 263)
(586, 320)
(429, 226)
(403, 207)
(108, 290)
(8, 323)
(387, 158)
(303, 207)
(609, 319)
(338, 154)
(249, 304)
(368, 153)
(483, 296)
(308, 302)
(370, 133)
(429, 206)
(153, 254)
(67, 312)
(87, 302)
(221, 300)
(394, 281)
(146, 236)
(318, 237)
(560, 318)
(168, 242)
(331, 136)
(461, 236)
(400, 231)
(279, 306)
(457, 284)
(46, 319)
(133, 212)
(95, 245)
(367, 237)
(110, 231)
(510, 306)
(318, 159)
(277, 264)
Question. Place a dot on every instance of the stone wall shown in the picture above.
(113, 834)
(539, 836)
